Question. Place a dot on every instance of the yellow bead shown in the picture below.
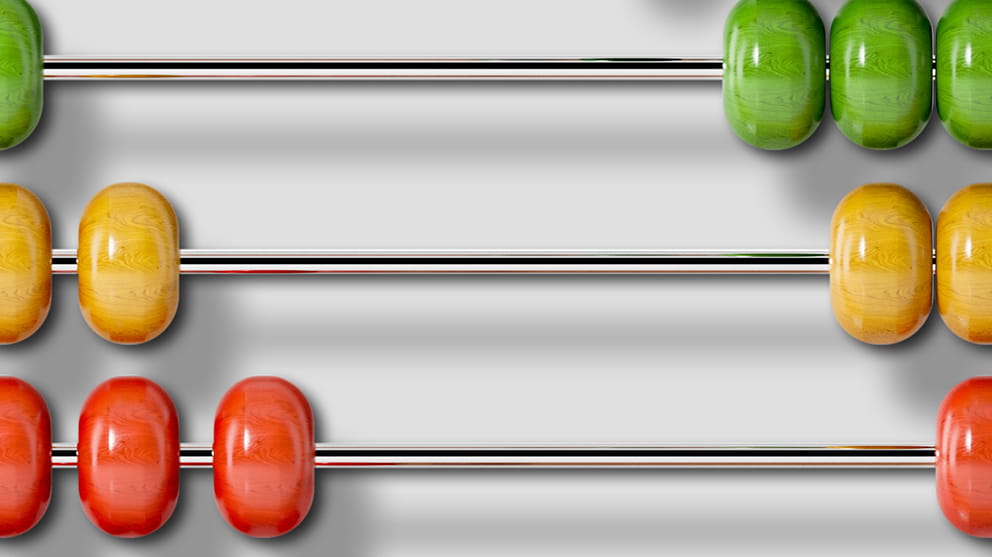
(25, 263)
(964, 263)
(128, 263)
(881, 263)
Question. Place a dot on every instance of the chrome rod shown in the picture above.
(582, 456)
(261, 68)
(366, 68)
(486, 262)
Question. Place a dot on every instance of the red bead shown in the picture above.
(25, 457)
(964, 457)
(263, 457)
(128, 457)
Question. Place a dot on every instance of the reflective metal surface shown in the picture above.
(487, 262)
(584, 456)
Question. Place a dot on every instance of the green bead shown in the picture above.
(774, 72)
(881, 72)
(21, 61)
(964, 72)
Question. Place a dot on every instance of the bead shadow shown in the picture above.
(515, 319)
(670, 526)
(933, 167)
(923, 370)
(696, 8)
(59, 160)
(605, 126)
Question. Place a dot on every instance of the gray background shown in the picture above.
(408, 359)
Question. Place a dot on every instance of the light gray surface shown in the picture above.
(448, 359)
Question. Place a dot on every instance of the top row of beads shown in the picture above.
(881, 72)
(775, 70)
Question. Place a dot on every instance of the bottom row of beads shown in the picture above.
(128, 457)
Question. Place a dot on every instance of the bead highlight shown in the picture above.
(774, 72)
(263, 457)
(25, 263)
(964, 72)
(20, 72)
(964, 457)
(964, 263)
(881, 271)
(128, 263)
(25, 457)
(881, 72)
(128, 457)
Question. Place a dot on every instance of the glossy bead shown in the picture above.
(264, 457)
(964, 72)
(964, 263)
(25, 263)
(964, 457)
(881, 72)
(21, 59)
(128, 263)
(881, 263)
(774, 73)
(128, 457)
(25, 457)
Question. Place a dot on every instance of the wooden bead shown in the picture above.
(264, 457)
(21, 60)
(25, 457)
(881, 263)
(25, 263)
(881, 71)
(964, 263)
(774, 78)
(128, 263)
(964, 457)
(128, 457)
(964, 72)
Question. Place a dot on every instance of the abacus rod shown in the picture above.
(486, 262)
(206, 68)
(582, 456)
(369, 68)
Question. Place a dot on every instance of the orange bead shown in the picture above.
(128, 457)
(964, 457)
(964, 263)
(25, 263)
(25, 457)
(264, 457)
(881, 263)
(128, 263)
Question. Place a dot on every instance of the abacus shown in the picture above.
(264, 455)
(898, 268)
(774, 69)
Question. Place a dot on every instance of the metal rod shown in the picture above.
(364, 68)
(485, 262)
(261, 68)
(582, 456)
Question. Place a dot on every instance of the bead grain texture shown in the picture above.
(881, 72)
(128, 457)
(964, 457)
(128, 263)
(881, 272)
(774, 72)
(25, 457)
(263, 457)
(20, 72)
(964, 263)
(25, 263)
(964, 72)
